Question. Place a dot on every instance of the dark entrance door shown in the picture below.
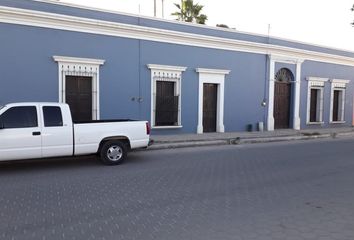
(210, 93)
(166, 104)
(313, 105)
(282, 93)
(78, 94)
(335, 106)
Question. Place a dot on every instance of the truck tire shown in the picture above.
(113, 152)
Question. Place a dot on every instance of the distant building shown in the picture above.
(183, 78)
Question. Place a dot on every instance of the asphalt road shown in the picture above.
(298, 190)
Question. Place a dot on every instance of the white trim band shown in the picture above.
(94, 26)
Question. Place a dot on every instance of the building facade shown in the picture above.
(183, 78)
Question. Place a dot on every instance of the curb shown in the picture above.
(238, 141)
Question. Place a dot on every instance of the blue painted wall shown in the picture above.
(29, 73)
(32, 75)
(332, 71)
(245, 83)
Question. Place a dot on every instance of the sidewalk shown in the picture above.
(207, 139)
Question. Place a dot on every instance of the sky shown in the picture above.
(320, 22)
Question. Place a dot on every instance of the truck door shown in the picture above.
(20, 135)
(57, 135)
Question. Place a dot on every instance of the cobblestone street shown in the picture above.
(285, 191)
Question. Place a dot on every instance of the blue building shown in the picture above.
(183, 78)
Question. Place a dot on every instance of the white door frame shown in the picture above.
(215, 76)
(297, 81)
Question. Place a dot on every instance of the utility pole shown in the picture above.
(182, 10)
(163, 9)
(154, 8)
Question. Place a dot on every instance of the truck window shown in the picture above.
(52, 116)
(19, 117)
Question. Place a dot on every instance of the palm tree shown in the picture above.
(190, 12)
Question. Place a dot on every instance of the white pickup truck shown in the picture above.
(44, 130)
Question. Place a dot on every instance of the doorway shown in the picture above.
(282, 98)
(209, 107)
(78, 95)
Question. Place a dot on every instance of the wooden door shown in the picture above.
(210, 94)
(78, 94)
(335, 113)
(313, 105)
(166, 104)
(282, 93)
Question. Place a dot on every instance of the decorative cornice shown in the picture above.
(94, 26)
(317, 79)
(340, 81)
(212, 71)
(166, 68)
(285, 59)
(75, 60)
(190, 24)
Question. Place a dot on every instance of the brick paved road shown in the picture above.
(270, 191)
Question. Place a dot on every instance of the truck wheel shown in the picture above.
(113, 152)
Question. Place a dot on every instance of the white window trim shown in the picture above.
(80, 67)
(338, 84)
(215, 76)
(315, 83)
(161, 71)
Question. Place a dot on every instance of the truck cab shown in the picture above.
(33, 130)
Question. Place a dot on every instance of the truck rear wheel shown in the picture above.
(113, 152)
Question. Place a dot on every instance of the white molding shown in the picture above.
(165, 73)
(190, 24)
(316, 83)
(338, 122)
(297, 90)
(342, 81)
(339, 83)
(317, 79)
(314, 123)
(80, 67)
(212, 71)
(78, 60)
(270, 115)
(215, 76)
(166, 67)
(285, 59)
(94, 26)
